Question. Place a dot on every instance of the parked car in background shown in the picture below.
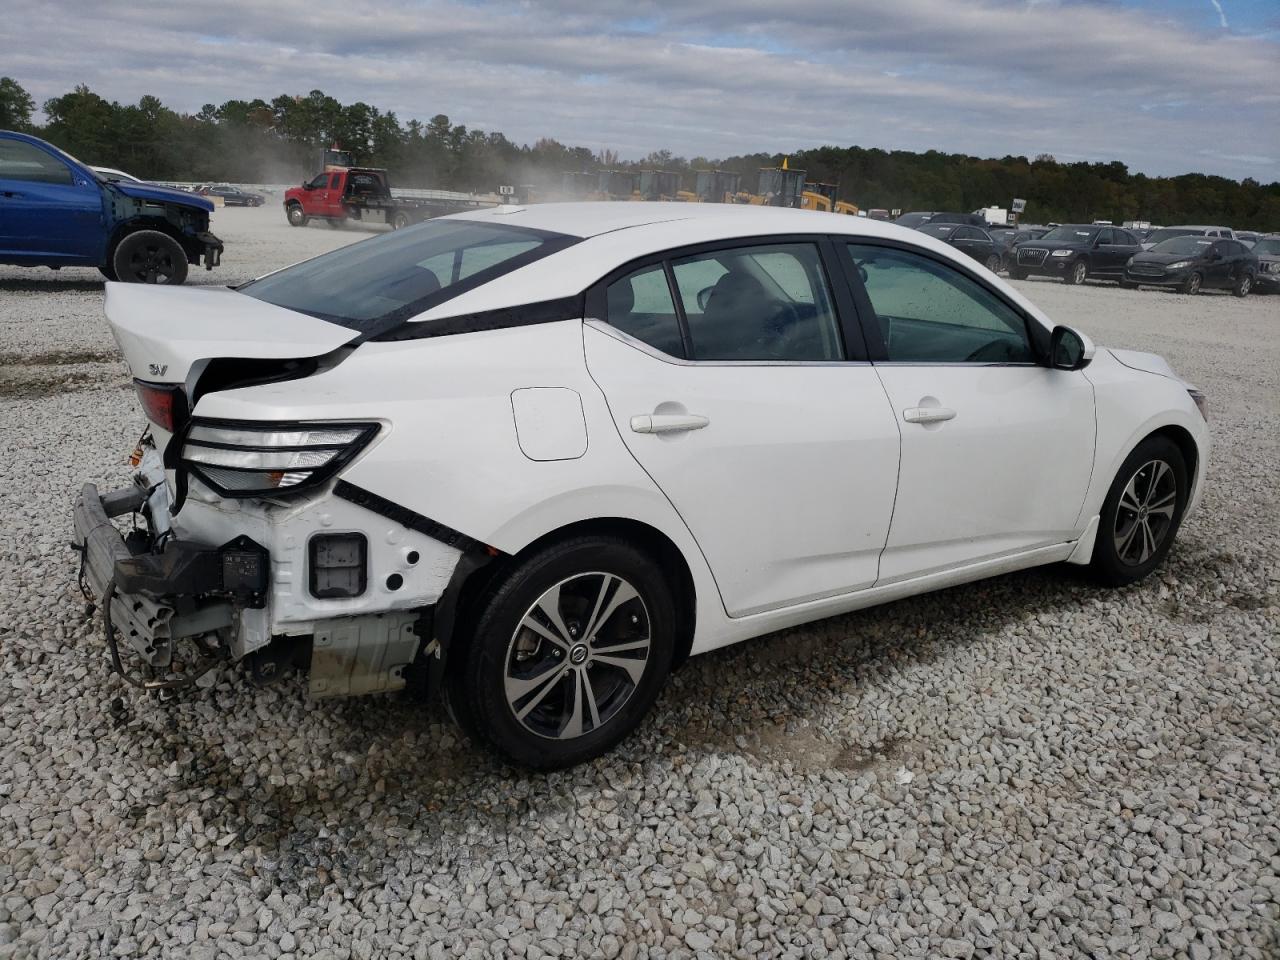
(915, 219)
(1248, 237)
(111, 173)
(638, 432)
(231, 196)
(1075, 253)
(56, 212)
(1193, 263)
(971, 241)
(1168, 233)
(1267, 251)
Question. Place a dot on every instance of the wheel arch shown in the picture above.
(476, 573)
(1187, 446)
(145, 222)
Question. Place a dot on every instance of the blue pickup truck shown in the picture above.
(56, 212)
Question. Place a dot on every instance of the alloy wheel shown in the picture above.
(1144, 515)
(151, 264)
(1079, 272)
(577, 656)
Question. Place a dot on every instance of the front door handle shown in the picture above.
(667, 423)
(928, 414)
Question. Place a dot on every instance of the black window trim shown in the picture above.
(853, 345)
(876, 348)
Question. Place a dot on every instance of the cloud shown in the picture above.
(705, 77)
(1222, 17)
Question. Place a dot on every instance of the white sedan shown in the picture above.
(531, 458)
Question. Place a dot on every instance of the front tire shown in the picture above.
(1191, 286)
(149, 256)
(1078, 273)
(1142, 513)
(1243, 286)
(297, 216)
(566, 653)
(993, 263)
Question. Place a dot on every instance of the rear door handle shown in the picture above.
(928, 414)
(667, 423)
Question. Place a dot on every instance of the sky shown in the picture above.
(1165, 86)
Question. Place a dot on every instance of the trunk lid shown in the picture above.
(167, 333)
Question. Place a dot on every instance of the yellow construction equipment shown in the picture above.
(716, 186)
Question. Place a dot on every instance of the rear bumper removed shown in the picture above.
(233, 581)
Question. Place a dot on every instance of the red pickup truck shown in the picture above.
(362, 193)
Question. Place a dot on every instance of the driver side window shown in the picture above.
(320, 182)
(759, 303)
(932, 313)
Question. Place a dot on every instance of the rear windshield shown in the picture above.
(942, 230)
(376, 284)
(1184, 245)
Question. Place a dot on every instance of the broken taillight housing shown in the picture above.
(239, 458)
(164, 403)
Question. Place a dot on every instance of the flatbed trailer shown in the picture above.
(364, 194)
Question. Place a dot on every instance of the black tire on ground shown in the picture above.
(1141, 514)
(334, 223)
(149, 256)
(1017, 273)
(108, 271)
(297, 217)
(400, 220)
(1192, 284)
(498, 664)
(1077, 274)
(1243, 286)
(993, 263)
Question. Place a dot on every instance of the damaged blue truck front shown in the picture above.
(56, 212)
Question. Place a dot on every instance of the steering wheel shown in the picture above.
(994, 351)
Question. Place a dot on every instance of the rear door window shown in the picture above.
(640, 304)
(768, 302)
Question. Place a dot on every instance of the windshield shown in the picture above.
(381, 281)
(939, 230)
(1269, 247)
(1070, 235)
(1184, 246)
(1160, 236)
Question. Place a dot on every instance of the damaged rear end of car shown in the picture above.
(243, 540)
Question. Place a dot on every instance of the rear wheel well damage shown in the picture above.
(477, 572)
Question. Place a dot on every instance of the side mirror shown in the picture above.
(1069, 349)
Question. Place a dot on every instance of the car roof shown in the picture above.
(1194, 226)
(715, 220)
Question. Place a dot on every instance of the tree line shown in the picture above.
(279, 141)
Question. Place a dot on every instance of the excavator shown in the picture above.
(822, 196)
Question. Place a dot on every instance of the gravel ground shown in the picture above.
(1027, 767)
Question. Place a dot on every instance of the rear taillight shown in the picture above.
(164, 404)
(244, 458)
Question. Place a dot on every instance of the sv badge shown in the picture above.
(157, 369)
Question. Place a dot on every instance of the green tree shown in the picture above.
(16, 105)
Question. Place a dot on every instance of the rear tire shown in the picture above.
(400, 220)
(333, 223)
(1078, 273)
(993, 263)
(149, 256)
(1191, 286)
(1141, 514)
(1243, 286)
(551, 694)
(297, 217)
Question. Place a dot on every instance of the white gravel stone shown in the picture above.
(1092, 772)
